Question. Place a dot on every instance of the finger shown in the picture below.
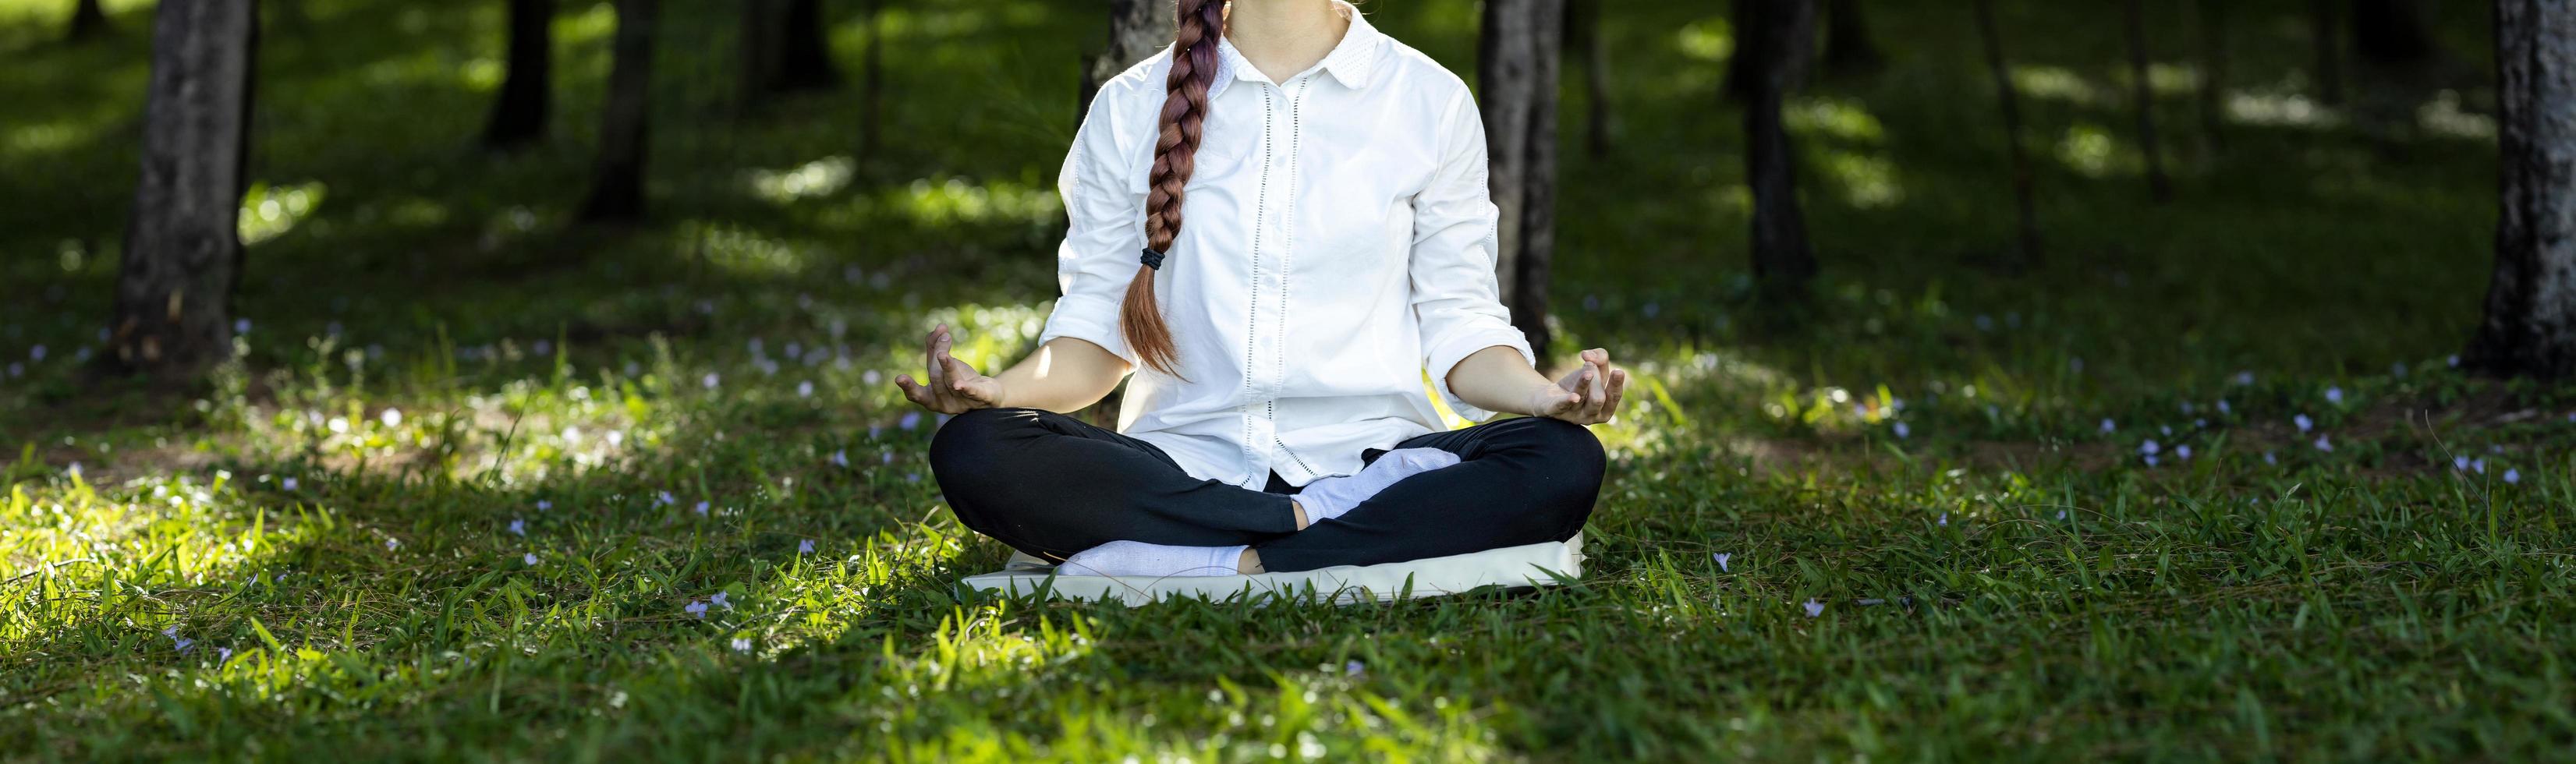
(912, 392)
(960, 375)
(1618, 391)
(930, 352)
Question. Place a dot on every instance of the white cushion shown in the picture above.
(1545, 564)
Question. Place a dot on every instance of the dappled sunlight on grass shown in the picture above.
(821, 177)
(268, 212)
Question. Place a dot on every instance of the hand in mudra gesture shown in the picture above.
(952, 387)
(1587, 395)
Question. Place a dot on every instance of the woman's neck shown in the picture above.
(1284, 37)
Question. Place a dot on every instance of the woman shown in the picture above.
(1339, 244)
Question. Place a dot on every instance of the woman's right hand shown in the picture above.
(953, 386)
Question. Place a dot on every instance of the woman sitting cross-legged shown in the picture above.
(1339, 243)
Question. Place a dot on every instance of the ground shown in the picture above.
(2200, 482)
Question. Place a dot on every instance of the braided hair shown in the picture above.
(1185, 108)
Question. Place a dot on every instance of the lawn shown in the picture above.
(2200, 484)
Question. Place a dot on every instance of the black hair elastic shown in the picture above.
(1151, 259)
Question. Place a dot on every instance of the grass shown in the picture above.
(436, 357)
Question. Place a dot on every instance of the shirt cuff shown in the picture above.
(1091, 319)
(1445, 354)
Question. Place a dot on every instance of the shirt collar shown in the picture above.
(1352, 62)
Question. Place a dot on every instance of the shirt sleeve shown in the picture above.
(1098, 257)
(1455, 296)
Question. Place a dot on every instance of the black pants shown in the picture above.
(1052, 485)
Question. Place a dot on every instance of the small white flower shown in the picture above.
(2165, 429)
(911, 419)
(2223, 408)
(2460, 463)
(2267, 458)
(2151, 460)
(223, 654)
(710, 380)
(241, 326)
(871, 377)
(741, 644)
(36, 353)
(391, 417)
(2061, 514)
(2244, 378)
(2478, 465)
(719, 599)
(543, 505)
(1815, 608)
(695, 609)
(841, 458)
(1944, 521)
(2150, 448)
(392, 544)
(664, 497)
(2454, 361)
(1354, 668)
(805, 389)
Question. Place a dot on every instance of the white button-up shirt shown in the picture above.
(1337, 242)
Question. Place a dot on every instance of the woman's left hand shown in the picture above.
(1588, 395)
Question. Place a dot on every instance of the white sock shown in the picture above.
(1328, 498)
(1137, 558)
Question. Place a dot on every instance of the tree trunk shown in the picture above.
(2390, 31)
(617, 179)
(805, 55)
(1137, 30)
(2025, 201)
(1848, 47)
(2159, 187)
(88, 21)
(1583, 32)
(519, 116)
(183, 252)
(762, 55)
(871, 80)
(2530, 325)
(1517, 69)
(1783, 264)
(2321, 30)
(2213, 72)
(1740, 68)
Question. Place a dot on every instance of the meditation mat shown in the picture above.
(1533, 565)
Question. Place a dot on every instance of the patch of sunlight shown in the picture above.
(956, 201)
(1841, 118)
(816, 178)
(1710, 39)
(2279, 110)
(987, 335)
(153, 533)
(1869, 182)
(2056, 83)
(591, 25)
(48, 137)
(2173, 79)
(989, 648)
(1737, 199)
(2443, 116)
(483, 73)
(743, 251)
(2089, 150)
(268, 212)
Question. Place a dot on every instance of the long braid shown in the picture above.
(1194, 64)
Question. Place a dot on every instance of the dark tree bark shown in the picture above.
(1137, 30)
(872, 80)
(1516, 71)
(2322, 24)
(2530, 325)
(761, 53)
(1783, 264)
(2159, 187)
(617, 178)
(1740, 68)
(87, 21)
(183, 252)
(1583, 34)
(2213, 71)
(2025, 201)
(519, 115)
(805, 55)
(1849, 49)
(2390, 31)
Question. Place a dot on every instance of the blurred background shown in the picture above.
(336, 322)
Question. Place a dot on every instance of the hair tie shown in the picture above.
(1151, 259)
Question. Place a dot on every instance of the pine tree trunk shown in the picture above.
(2322, 23)
(519, 115)
(1517, 71)
(617, 178)
(872, 81)
(1783, 264)
(1848, 47)
(1137, 30)
(2390, 31)
(2025, 198)
(183, 252)
(2159, 187)
(88, 21)
(2530, 325)
(1583, 32)
(805, 55)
